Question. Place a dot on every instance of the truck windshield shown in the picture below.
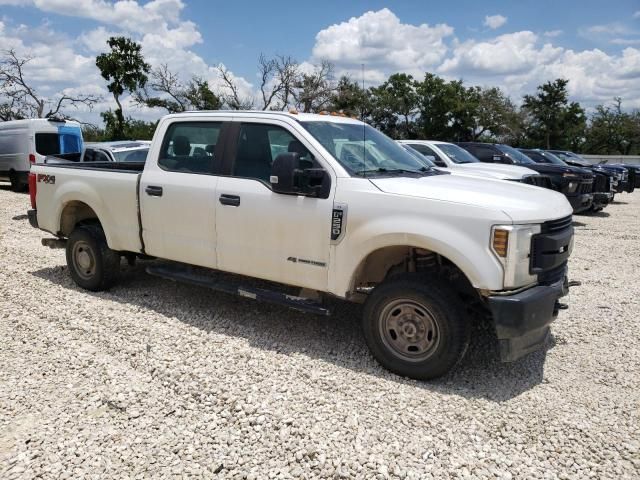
(457, 154)
(517, 157)
(551, 158)
(363, 150)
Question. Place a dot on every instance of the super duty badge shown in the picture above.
(338, 221)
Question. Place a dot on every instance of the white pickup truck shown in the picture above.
(298, 201)
(456, 159)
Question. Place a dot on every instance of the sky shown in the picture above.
(513, 45)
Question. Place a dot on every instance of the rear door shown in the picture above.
(177, 193)
(264, 234)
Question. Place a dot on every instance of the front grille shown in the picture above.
(586, 185)
(600, 183)
(553, 226)
(550, 250)
(538, 180)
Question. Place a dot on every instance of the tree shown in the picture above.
(555, 123)
(613, 131)
(233, 99)
(495, 115)
(19, 99)
(349, 97)
(170, 93)
(395, 104)
(436, 107)
(313, 90)
(129, 129)
(125, 70)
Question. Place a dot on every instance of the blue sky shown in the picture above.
(515, 45)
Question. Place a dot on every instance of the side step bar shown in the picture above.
(187, 275)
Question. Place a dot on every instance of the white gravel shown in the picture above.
(156, 379)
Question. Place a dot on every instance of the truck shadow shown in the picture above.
(337, 339)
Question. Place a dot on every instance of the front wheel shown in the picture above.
(93, 265)
(415, 328)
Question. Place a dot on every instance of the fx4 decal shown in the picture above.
(46, 178)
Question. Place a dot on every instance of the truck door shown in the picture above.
(177, 193)
(264, 234)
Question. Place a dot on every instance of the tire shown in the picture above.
(434, 335)
(93, 265)
(16, 185)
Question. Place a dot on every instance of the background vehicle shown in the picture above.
(117, 151)
(25, 142)
(575, 184)
(602, 191)
(452, 157)
(320, 205)
(620, 172)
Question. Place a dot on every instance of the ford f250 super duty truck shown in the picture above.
(296, 201)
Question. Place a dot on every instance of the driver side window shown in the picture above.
(258, 146)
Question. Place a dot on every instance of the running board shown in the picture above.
(186, 275)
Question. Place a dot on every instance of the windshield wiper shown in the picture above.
(394, 171)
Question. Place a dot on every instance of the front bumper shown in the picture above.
(33, 218)
(580, 202)
(602, 199)
(522, 320)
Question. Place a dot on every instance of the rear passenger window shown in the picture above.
(190, 147)
(259, 145)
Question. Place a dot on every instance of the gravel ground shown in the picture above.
(157, 379)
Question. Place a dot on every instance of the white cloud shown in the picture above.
(61, 62)
(553, 33)
(494, 21)
(636, 14)
(382, 43)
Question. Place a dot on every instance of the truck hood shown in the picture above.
(549, 169)
(503, 172)
(522, 203)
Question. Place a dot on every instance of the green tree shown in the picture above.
(435, 106)
(554, 121)
(128, 129)
(349, 97)
(613, 131)
(125, 70)
(394, 106)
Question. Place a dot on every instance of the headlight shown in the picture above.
(512, 246)
(572, 187)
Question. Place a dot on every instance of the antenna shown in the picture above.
(364, 131)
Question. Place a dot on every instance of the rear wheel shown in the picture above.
(16, 184)
(415, 328)
(93, 265)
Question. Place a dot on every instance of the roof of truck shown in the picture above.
(294, 115)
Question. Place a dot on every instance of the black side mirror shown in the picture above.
(292, 176)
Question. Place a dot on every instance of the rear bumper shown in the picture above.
(33, 218)
(581, 202)
(522, 320)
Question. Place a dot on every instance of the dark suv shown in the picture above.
(575, 183)
(603, 190)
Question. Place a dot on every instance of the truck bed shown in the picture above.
(124, 167)
(110, 189)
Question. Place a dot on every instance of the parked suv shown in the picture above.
(574, 183)
(602, 188)
(620, 172)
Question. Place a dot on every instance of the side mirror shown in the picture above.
(292, 176)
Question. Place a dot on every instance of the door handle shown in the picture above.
(232, 200)
(153, 191)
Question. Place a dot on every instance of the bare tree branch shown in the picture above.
(21, 100)
(232, 99)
